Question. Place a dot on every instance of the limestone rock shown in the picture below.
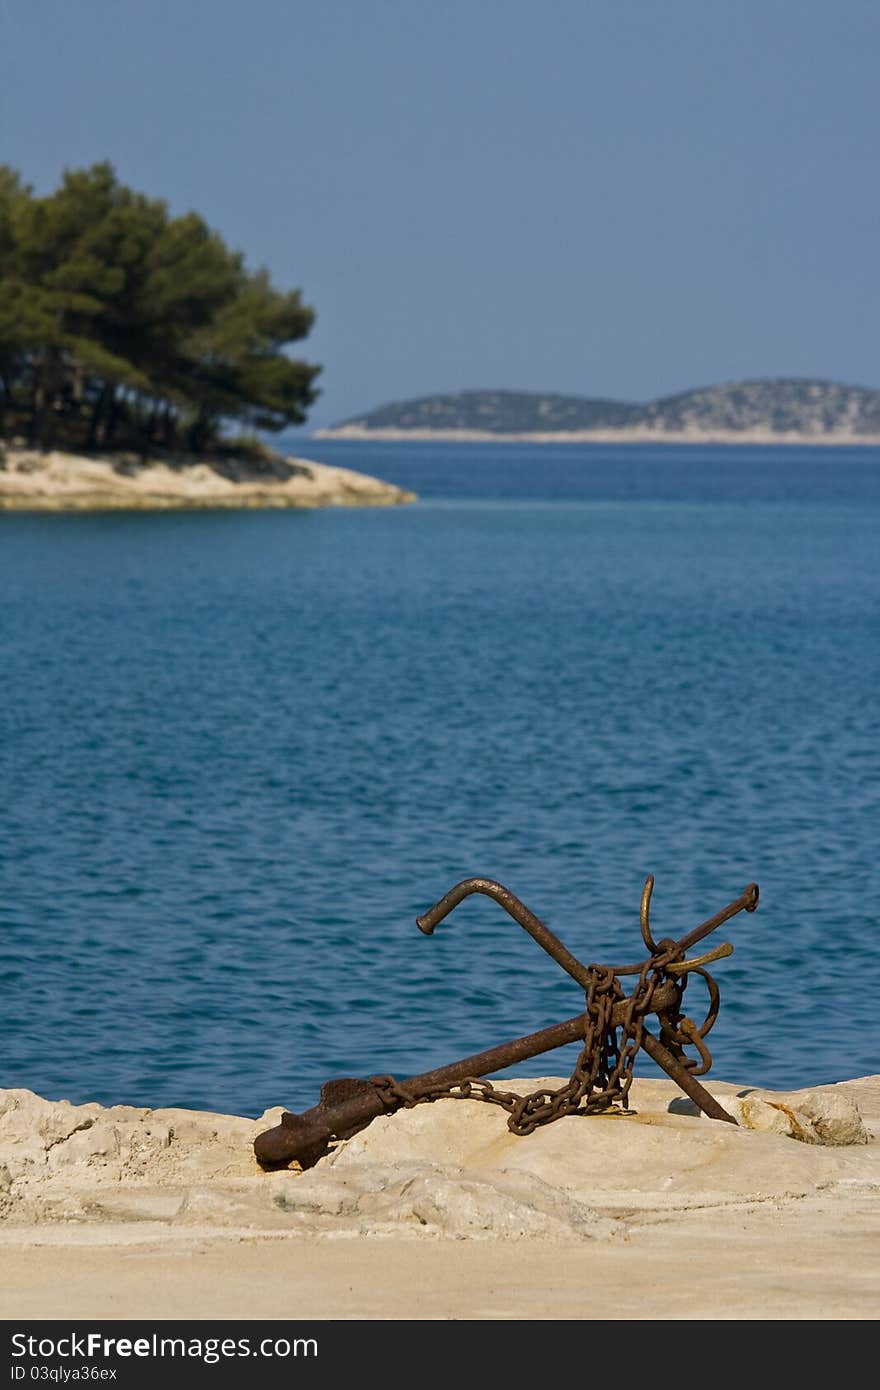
(826, 1116)
(424, 1198)
(63, 1161)
(449, 1169)
(31, 481)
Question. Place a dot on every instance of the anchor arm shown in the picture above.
(516, 909)
(747, 901)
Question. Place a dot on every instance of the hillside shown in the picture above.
(783, 409)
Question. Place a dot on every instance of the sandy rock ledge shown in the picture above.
(165, 1213)
(447, 1169)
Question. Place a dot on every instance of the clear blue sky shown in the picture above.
(611, 197)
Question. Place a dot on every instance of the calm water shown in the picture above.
(240, 752)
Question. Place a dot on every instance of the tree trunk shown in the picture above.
(200, 431)
(169, 427)
(98, 410)
(112, 415)
(46, 377)
(38, 425)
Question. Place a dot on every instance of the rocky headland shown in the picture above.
(58, 481)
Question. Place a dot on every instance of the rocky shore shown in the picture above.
(32, 481)
(440, 1212)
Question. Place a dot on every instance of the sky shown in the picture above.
(621, 199)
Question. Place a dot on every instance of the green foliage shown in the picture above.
(124, 327)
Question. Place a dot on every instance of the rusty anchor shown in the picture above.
(611, 1029)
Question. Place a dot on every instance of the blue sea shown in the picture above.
(241, 751)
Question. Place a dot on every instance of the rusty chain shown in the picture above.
(603, 1073)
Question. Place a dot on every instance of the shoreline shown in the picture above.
(623, 436)
(438, 1212)
(62, 482)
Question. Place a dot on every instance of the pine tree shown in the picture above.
(118, 322)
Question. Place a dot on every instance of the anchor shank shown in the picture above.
(305, 1137)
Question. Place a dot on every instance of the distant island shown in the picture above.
(784, 410)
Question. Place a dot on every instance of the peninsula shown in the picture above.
(780, 411)
(58, 481)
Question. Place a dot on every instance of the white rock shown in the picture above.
(434, 1199)
(448, 1169)
(825, 1116)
